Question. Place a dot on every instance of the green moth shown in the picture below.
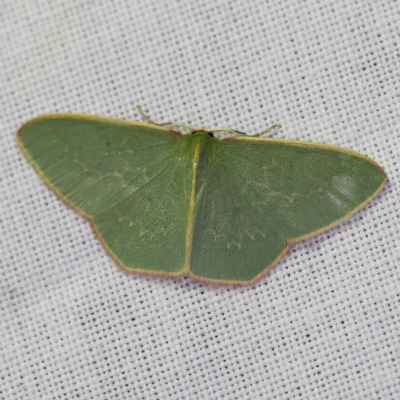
(216, 204)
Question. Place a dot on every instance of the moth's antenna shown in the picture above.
(145, 117)
(267, 130)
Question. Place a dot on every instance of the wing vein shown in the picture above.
(135, 192)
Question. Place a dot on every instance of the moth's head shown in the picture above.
(218, 133)
(183, 129)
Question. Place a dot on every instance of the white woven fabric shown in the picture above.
(323, 324)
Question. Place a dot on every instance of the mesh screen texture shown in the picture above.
(323, 324)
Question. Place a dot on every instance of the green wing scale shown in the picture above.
(170, 203)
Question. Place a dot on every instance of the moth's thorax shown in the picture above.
(203, 132)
